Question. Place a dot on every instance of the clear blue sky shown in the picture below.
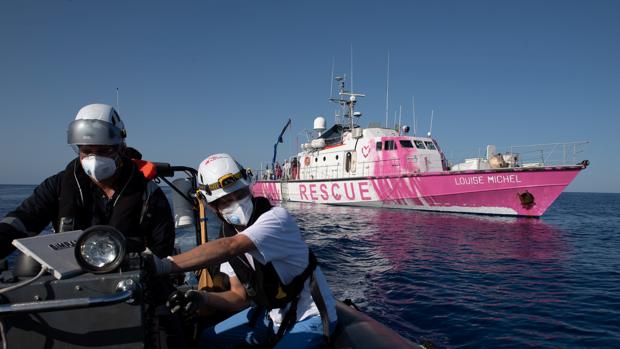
(201, 77)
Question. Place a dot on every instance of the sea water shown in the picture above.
(466, 280)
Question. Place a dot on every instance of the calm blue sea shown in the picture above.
(466, 281)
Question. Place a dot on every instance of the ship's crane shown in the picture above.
(280, 140)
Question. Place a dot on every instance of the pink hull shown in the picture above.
(520, 191)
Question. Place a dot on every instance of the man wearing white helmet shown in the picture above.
(100, 186)
(269, 265)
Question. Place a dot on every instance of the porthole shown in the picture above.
(336, 157)
(324, 158)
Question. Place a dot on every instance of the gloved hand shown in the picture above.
(189, 302)
(155, 264)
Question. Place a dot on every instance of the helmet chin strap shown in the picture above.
(108, 184)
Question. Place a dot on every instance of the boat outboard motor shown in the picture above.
(182, 208)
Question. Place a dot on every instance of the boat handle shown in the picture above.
(126, 291)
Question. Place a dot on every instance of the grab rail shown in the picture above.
(126, 291)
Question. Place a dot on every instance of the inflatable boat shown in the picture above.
(49, 303)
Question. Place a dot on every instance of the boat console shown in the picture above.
(109, 310)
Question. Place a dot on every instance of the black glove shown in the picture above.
(156, 265)
(189, 302)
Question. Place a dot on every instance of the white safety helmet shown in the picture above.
(96, 124)
(220, 175)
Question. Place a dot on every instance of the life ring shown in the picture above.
(307, 161)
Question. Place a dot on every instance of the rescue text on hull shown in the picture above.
(523, 192)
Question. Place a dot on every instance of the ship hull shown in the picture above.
(515, 192)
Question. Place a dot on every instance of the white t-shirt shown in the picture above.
(278, 240)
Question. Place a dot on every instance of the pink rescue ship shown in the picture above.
(381, 167)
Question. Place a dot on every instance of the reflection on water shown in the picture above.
(456, 279)
(463, 240)
(400, 239)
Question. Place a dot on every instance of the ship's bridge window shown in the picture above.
(405, 143)
(430, 145)
(419, 144)
(390, 145)
(379, 146)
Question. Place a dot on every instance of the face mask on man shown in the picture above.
(239, 212)
(98, 167)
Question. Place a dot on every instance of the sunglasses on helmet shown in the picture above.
(223, 182)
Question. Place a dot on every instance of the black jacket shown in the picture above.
(147, 217)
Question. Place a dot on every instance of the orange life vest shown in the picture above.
(148, 169)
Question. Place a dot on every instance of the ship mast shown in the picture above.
(347, 105)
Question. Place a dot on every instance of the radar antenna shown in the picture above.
(387, 90)
(431, 128)
(118, 107)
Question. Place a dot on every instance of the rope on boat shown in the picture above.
(24, 283)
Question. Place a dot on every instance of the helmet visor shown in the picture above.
(97, 132)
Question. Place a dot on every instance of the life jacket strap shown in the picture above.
(322, 307)
(290, 318)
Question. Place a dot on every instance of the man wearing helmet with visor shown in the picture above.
(269, 265)
(100, 186)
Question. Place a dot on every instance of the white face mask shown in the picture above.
(98, 167)
(239, 212)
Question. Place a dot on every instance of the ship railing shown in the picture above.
(342, 171)
(536, 155)
(531, 155)
(551, 154)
